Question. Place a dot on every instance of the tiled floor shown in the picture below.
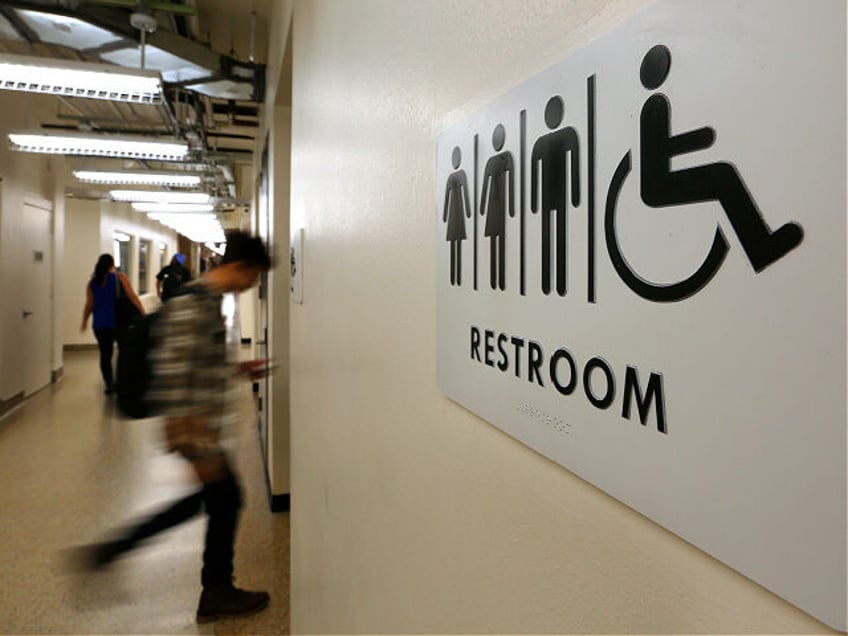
(71, 470)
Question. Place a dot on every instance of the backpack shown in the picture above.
(136, 341)
(135, 368)
(172, 279)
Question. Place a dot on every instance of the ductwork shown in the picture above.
(106, 34)
(205, 90)
(227, 171)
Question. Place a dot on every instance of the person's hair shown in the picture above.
(246, 249)
(104, 264)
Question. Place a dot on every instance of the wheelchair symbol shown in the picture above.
(663, 187)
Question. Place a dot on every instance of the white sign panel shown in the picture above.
(641, 274)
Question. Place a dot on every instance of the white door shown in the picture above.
(37, 296)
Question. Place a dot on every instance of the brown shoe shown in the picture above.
(227, 601)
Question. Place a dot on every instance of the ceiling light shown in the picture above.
(167, 208)
(199, 228)
(146, 177)
(94, 145)
(71, 78)
(159, 196)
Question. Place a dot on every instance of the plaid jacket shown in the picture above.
(191, 371)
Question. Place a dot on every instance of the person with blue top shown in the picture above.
(101, 293)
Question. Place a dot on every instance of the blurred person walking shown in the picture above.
(171, 277)
(192, 387)
(102, 294)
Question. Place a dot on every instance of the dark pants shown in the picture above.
(222, 502)
(106, 343)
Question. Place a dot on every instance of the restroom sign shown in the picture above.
(641, 257)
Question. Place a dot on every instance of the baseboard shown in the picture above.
(280, 503)
(79, 347)
(277, 503)
(7, 406)
(58, 374)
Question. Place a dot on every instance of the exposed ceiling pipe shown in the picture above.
(171, 114)
(193, 22)
(71, 106)
(227, 171)
(145, 23)
(193, 26)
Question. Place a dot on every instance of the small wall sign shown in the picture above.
(296, 266)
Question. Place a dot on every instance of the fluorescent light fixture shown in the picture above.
(199, 228)
(178, 208)
(145, 177)
(95, 145)
(70, 78)
(159, 196)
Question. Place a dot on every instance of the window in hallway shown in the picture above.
(121, 243)
(144, 253)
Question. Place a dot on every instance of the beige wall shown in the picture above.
(275, 125)
(78, 237)
(279, 407)
(410, 514)
(82, 247)
(34, 178)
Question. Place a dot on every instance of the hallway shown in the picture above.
(71, 470)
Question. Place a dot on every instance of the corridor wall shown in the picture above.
(90, 227)
(25, 178)
(409, 513)
(274, 138)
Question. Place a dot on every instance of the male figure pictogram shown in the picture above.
(661, 186)
(550, 155)
(495, 200)
(456, 203)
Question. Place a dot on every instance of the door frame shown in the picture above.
(36, 201)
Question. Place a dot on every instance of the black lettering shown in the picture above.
(605, 401)
(475, 343)
(518, 343)
(503, 365)
(535, 358)
(654, 392)
(568, 389)
(490, 348)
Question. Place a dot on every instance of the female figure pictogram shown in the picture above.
(456, 204)
(500, 173)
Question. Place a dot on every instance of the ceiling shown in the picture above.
(211, 55)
